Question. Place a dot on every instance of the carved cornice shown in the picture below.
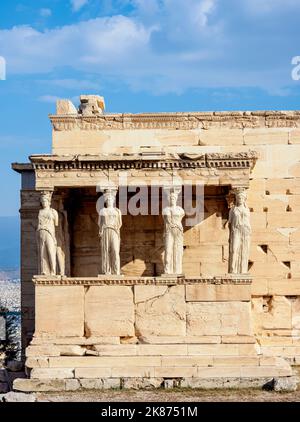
(183, 121)
(243, 160)
(145, 281)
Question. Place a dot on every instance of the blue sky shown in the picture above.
(142, 55)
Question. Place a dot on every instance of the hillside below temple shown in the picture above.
(161, 249)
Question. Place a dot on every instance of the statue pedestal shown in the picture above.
(191, 331)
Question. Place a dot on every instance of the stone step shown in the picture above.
(151, 366)
(110, 361)
(242, 349)
(151, 371)
(94, 341)
(30, 385)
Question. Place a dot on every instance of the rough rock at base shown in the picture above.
(288, 383)
(141, 383)
(17, 397)
(285, 384)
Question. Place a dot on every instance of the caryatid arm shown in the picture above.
(119, 219)
(100, 224)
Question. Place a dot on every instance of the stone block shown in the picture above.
(92, 372)
(37, 362)
(233, 361)
(51, 373)
(71, 350)
(141, 383)
(279, 315)
(266, 136)
(222, 318)
(72, 385)
(280, 351)
(39, 351)
(213, 349)
(274, 270)
(248, 349)
(100, 384)
(129, 340)
(275, 341)
(29, 385)
(133, 372)
(109, 311)
(219, 372)
(280, 219)
(264, 371)
(284, 287)
(180, 339)
(65, 107)
(210, 383)
(162, 314)
(175, 372)
(161, 350)
(117, 350)
(103, 361)
(92, 384)
(217, 293)
(222, 137)
(238, 339)
(268, 361)
(145, 293)
(170, 361)
(259, 286)
(60, 310)
(86, 341)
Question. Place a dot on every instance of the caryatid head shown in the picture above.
(46, 199)
(240, 197)
(173, 197)
(110, 198)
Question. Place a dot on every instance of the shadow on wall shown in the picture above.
(142, 243)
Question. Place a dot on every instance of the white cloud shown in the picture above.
(45, 13)
(78, 4)
(98, 44)
(163, 46)
(48, 99)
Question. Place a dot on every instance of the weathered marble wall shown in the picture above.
(273, 198)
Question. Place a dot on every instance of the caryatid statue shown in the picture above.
(240, 232)
(173, 235)
(110, 223)
(46, 239)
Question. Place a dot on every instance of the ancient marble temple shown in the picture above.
(122, 288)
